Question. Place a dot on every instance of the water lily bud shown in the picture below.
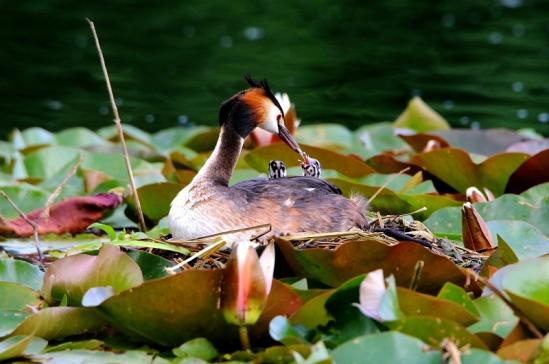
(431, 145)
(476, 235)
(244, 291)
(473, 195)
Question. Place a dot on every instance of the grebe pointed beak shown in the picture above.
(287, 138)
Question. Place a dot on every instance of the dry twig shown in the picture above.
(118, 124)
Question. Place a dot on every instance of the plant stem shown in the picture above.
(244, 337)
(118, 124)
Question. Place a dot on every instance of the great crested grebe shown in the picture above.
(209, 206)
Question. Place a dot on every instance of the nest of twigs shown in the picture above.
(389, 230)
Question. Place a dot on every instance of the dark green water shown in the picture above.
(479, 63)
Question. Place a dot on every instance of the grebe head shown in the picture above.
(311, 167)
(256, 107)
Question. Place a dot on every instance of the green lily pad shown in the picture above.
(32, 136)
(155, 199)
(26, 197)
(152, 266)
(196, 348)
(495, 317)
(414, 303)
(456, 168)
(476, 356)
(130, 133)
(59, 322)
(507, 207)
(50, 161)
(17, 346)
(18, 271)
(527, 284)
(420, 117)
(385, 347)
(346, 164)
(99, 357)
(16, 297)
(79, 138)
(433, 330)
(313, 313)
(458, 295)
(329, 136)
(377, 138)
(358, 257)
(73, 276)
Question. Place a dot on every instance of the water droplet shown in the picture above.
(226, 41)
(448, 104)
(182, 119)
(517, 86)
(464, 120)
(448, 20)
(149, 118)
(253, 33)
(54, 104)
(543, 117)
(495, 38)
(522, 113)
(103, 110)
(475, 125)
(511, 3)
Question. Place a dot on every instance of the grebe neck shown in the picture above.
(220, 165)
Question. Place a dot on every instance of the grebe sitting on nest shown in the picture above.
(208, 205)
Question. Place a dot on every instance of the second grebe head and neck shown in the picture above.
(238, 116)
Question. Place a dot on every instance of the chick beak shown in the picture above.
(287, 138)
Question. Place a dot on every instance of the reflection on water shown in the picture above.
(480, 63)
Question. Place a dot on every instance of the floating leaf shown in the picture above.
(329, 136)
(152, 266)
(532, 172)
(17, 346)
(99, 357)
(495, 316)
(420, 117)
(345, 164)
(523, 350)
(27, 197)
(483, 141)
(15, 297)
(196, 348)
(376, 138)
(358, 257)
(59, 322)
(74, 275)
(433, 330)
(79, 138)
(386, 347)
(72, 215)
(155, 199)
(18, 271)
(456, 168)
(527, 284)
(475, 356)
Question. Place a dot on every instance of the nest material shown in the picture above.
(387, 230)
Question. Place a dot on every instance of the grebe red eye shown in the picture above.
(278, 117)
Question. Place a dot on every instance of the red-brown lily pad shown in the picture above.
(72, 215)
(362, 256)
(456, 168)
(348, 165)
(171, 310)
(532, 172)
